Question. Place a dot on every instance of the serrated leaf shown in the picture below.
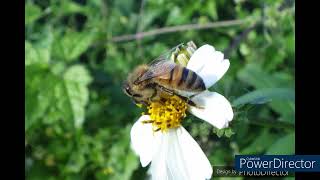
(262, 96)
(67, 95)
(79, 74)
(218, 132)
(32, 13)
(71, 45)
(229, 132)
(283, 146)
(76, 80)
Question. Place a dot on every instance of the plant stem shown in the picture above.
(186, 27)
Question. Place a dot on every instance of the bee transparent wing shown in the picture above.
(160, 66)
(159, 69)
(165, 56)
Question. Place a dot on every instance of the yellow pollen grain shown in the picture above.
(167, 114)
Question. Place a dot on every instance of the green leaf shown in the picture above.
(67, 95)
(122, 159)
(229, 132)
(175, 16)
(71, 45)
(212, 10)
(286, 108)
(76, 162)
(36, 55)
(262, 96)
(260, 144)
(284, 145)
(36, 102)
(218, 132)
(66, 7)
(75, 83)
(273, 124)
(78, 74)
(32, 13)
(254, 75)
(71, 7)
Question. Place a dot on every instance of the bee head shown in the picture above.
(136, 97)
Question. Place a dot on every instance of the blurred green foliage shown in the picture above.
(77, 120)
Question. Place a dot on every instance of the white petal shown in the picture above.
(200, 57)
(188, 157)
(180, 158)
(143, 140)
(216, 109)
(159, 169)
(209, 64)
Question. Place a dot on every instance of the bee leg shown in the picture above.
(168, 91)
(190, 102)
(154, 96)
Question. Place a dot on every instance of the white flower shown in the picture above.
(173, 152)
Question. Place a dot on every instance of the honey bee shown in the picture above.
(162, 77)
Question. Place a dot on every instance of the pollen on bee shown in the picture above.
(167, 114)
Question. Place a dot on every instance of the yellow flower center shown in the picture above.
(167, 114)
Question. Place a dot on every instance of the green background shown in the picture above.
(77, 119)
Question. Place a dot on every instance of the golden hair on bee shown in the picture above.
(137, 73)
(162, 77)
(141, 92)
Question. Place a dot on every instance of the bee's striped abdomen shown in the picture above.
(195, 82)
(198, 84)
(185, 79)
(184, 76)
(193, 79)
